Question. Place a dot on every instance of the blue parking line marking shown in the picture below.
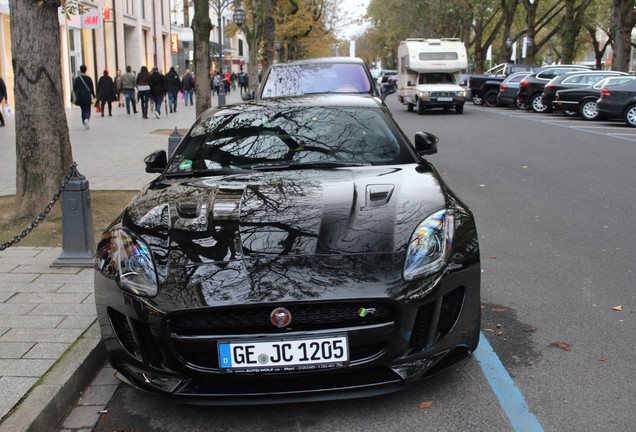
(509, 396)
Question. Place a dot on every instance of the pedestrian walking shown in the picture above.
(4, 99)
(128, 87)
(216, 83)
(243, 82)
(173, 87)
(233, 78)
(143, 87)
(84, 94)
(118, 88)
(106, 92)
(187, 85)
(157, 89)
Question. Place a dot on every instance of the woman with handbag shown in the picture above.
(84, 94)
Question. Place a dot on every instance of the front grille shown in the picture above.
(443, 94)
(451, 307)
(143, 346)
(151, 353)
(122, 330)
(194, 335)
(449, 310)
(305, 317)
(421, 327)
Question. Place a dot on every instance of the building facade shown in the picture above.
(113, 34)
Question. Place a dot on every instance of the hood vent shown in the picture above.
(378, 195)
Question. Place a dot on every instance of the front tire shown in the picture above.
(589, 110)
(420, 108)
(630, 116)
(459, 109)
(536, 104)
(410, 107)
(477, 100)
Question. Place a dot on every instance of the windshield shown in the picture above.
(299, 79)
(289, 137)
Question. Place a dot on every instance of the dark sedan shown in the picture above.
(582, 101)
(293, 249)
(619, 102)
(508, 90)
(531, 87)
(572, 80)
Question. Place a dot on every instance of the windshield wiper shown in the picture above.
(307, 165)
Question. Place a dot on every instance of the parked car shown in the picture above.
(508, 90)
(485, 88)
(531, 87)
(318, 75)
(384, 77)
(297, 248)
(582, 101)
(619, 101)
(573, 80)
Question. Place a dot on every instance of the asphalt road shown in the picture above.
(555, 206)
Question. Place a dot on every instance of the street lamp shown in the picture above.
(239, 18)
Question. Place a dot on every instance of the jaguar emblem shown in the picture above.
(280, 317)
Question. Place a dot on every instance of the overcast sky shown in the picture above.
(351, 11)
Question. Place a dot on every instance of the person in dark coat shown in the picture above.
(84, 94)
(157, 89)
(173, 86)
(4, 98)
(187, 85)
(106, 92)
(143, 87)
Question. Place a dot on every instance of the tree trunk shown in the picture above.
(269, 33)
(623, 19)
(43, 147)
(201, 28)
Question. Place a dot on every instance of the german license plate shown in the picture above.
(283, 355)
(445, 99)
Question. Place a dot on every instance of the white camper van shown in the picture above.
(429, 71)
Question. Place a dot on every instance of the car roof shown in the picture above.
(318, 60)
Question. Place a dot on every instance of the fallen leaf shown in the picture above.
(424, 405)
(499, 326)
(492, 257)
(489, 330)
(499, 333)
(499, 309)
(564, 346)
(618, 308)
(604, 358)
(529, 329)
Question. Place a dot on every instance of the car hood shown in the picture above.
(291, 212)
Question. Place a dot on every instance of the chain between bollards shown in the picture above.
(70, 173)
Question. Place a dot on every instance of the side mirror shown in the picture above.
(425, 144)
(248, 95)
(409, 83)
(387, 89)
(156, 162)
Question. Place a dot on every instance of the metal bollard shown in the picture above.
(173, 141)
(78, 244)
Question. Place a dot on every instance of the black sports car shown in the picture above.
(291, 249)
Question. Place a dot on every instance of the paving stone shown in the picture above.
(6, 267)
(6, 404)
(4, 295)
(85, 276)
(25, 367)
(90, 299)
(82, 417)
(44, 268)
(76, 288)
(37, 287)
(41, 335)
(64, 309)
(30, 321)
(97, 395)
(16, 308)
(48, 298)
(16, 387)
(78, 321)
(14, 350)
(46, 350)
(22, 251)
(106, 376)
(19, 277)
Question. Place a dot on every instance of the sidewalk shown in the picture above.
(49, 339)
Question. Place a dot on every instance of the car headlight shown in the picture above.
(424, 94)
(461, 93)
(430, 245)
(126, 258)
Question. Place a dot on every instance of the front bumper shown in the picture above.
(419, 337)
(441, 101)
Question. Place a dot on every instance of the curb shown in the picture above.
(47, 404)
